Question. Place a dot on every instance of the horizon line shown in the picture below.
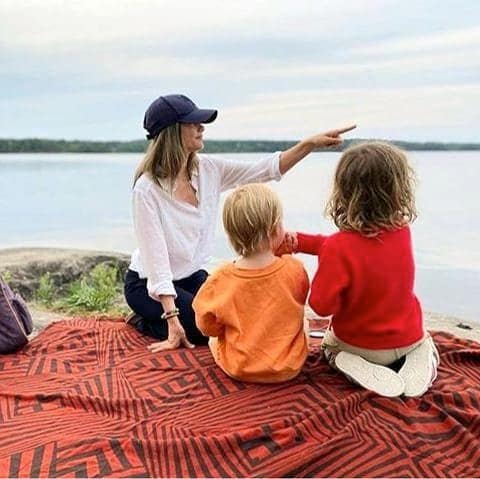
(238, 140)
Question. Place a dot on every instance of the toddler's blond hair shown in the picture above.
(251, 215)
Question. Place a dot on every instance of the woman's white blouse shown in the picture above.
(174, 238)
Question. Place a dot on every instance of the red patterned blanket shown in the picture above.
(87, 399)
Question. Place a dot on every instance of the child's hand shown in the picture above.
(330, 138)
(289, 244)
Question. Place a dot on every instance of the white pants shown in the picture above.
(332, 345)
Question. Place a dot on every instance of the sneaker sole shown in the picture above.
(373, 377)
(419, 370)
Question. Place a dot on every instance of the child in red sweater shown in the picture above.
(366, 272)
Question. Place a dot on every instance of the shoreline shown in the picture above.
(138, 146)
(30, 263)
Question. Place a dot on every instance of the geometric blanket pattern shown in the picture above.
(87, 399)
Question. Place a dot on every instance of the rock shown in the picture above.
(25, 266)
(463, 326)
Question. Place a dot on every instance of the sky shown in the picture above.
(276, 69)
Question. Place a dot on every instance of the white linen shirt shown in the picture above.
(175, 238)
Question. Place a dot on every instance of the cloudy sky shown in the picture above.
(276, 69)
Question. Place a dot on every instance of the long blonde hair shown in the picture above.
(165, 157)
(373, 189)
(251, 215)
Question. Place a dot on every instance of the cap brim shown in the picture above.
(200, 116)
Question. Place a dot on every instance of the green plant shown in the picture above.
(95, 292)
(46, 290)
(6, 275)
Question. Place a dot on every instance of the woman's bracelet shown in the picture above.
(170, 314)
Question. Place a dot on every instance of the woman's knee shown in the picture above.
(138, 299)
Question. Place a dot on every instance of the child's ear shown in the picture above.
(277, 236)
(280, 230)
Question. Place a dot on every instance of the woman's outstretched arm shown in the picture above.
(289, 158)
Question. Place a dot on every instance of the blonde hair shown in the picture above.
(251, 215)
(165, 156)
(373, 189)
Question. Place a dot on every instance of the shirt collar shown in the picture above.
(166, 184)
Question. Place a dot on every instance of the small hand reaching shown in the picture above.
(288, 245)
(176, 338)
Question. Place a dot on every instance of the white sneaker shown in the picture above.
(374, 377)
(420, 368)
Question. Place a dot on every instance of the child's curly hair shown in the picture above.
(373, 189)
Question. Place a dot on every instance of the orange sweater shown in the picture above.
(257, 315)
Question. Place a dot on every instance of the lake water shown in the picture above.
(83, 201)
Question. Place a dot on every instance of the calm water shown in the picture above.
(83, 201)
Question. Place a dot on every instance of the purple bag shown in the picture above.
(15, 320)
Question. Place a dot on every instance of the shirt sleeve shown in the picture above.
(310, 244)
(204, 306)
(329, 282)
(301, 283)
(234, 173)
(152, 245)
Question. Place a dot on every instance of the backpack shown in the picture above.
(15, 320)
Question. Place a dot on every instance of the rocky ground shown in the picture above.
(25, 266)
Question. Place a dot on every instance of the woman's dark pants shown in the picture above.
(150, 310)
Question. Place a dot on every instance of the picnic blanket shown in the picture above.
(87, 399)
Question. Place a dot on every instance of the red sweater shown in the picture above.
(367, 285)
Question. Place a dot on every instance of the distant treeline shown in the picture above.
(38, 145)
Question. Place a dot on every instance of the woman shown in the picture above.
(175, 202)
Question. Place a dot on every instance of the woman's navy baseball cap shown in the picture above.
(170, 109)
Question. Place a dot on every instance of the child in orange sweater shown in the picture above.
(253, 308)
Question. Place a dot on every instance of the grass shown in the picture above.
(6, 276)
(46, 290)
(98, 292)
